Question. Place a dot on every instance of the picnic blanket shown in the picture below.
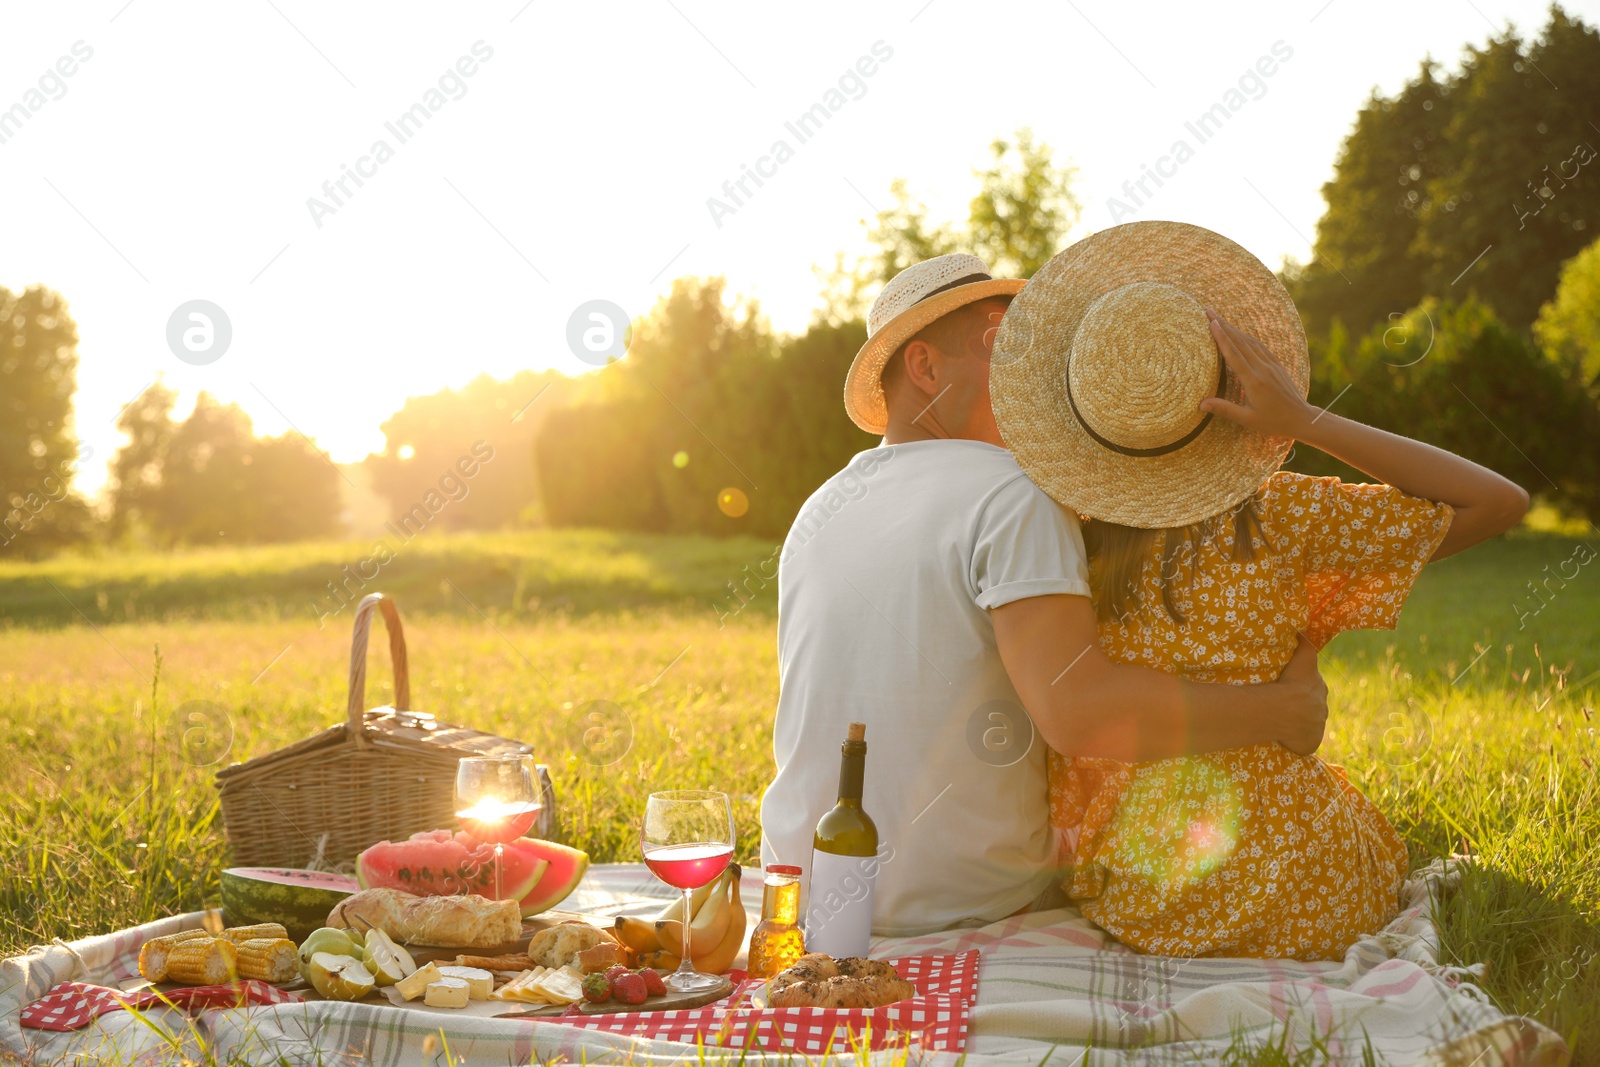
(1048, 981)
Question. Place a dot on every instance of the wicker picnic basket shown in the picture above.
(383, 774)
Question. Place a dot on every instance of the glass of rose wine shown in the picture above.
(497, 800)
(687, 840)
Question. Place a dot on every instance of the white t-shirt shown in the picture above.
(884, 586)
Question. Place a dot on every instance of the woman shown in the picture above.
(1130, 400)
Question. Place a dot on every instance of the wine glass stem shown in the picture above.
(499, 850)
(686, 962)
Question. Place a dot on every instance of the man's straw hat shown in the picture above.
(913, 298)
(1102, 360)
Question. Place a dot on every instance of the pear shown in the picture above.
(326, 939)
(388, 961)
(340, 977)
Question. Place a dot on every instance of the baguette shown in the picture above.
(468, 921)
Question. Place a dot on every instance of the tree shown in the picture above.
(1364, 265)
(1024, 209)
(903, 235)
(202, 496)
(293, 490)
(1456, 376)
(209, 479)
(1569, 326)
(430, 436)
(710, 404)
(1522, 168)
(1020, 217)
(1481, 182)
(707, 403)
(38, 449)
(136, 469)
(654, 448)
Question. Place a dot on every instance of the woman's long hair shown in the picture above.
(1121, 552)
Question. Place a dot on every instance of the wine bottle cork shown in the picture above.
(858, 731)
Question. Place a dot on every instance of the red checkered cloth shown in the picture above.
(935, 1019)
(74, 1005)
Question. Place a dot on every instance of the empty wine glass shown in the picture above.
(497, 800)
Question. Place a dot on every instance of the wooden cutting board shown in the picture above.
(672, 1001)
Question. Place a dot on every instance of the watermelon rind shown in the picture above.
(298, 899)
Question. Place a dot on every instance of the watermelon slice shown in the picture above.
(565, 870)
(439, 863)
(298, 899)
(538, 874)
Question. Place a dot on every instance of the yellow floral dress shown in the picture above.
(1253, 851)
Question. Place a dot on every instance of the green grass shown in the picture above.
(1472, 734)
(519, 574)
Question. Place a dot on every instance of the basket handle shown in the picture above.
(356, 711)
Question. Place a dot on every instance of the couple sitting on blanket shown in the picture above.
(1122, 713)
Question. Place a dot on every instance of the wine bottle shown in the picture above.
(843, 862)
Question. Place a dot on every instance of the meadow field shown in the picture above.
(1471, 726)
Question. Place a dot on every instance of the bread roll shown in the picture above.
(599, 958)
(559, 945)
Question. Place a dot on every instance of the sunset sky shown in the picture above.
(179, 161)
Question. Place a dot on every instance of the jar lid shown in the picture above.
(784, 868)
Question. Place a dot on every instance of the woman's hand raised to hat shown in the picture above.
(1272, 402)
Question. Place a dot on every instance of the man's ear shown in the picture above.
(922, 366)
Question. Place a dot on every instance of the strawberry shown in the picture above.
(653, 982)
(612, 972)
(630, 989)
(596, 990)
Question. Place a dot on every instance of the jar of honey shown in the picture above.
(777, 940)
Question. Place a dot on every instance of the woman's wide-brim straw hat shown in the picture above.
(913, 298)
(1102, 360)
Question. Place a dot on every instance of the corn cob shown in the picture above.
(208, 961)
(271, 959)
(240, 934)
(153, 953)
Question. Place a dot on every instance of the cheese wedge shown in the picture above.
(479, 981)
(416, 983)
(447, 993)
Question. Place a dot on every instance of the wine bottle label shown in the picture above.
(839, 905)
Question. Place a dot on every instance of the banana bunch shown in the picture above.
(716, 928)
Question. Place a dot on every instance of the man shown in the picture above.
(932, 592)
